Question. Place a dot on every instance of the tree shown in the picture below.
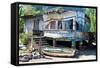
(21, 21)
(25, 10)
(29, 10)
(92, 15)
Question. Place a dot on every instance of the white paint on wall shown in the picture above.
(45, 17)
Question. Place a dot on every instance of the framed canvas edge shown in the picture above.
(17, 33)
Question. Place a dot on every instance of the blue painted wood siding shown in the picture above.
(80, 18)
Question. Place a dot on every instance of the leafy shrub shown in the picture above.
(25, 38)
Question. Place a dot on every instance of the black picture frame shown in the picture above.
(15, 33)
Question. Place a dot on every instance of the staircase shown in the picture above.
(43, 41)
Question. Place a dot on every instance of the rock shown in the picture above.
(24, 58)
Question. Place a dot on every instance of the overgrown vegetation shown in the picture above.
(91, 12)
(35, 10)
(25, 10)
(25, 38)
(29, 10)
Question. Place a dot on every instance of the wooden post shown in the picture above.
(74, 28)
(73, 44)
(56, 25)
(74, 24)
(74, 40)
(40, 47)
(54, 43)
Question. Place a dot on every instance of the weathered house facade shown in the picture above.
(69, 23)
(70, 19)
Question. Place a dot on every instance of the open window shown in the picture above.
(69, 24)
(52, 24)
(59, 24)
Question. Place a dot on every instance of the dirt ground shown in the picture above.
(83, 55)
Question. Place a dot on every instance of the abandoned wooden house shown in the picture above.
(67, 24)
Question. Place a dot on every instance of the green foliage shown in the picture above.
(21, 25)
(25, 10)
(25, 38)
(21, 10)
(57, 8)
(34, 10)
(28, 10)
(92, 15)
(21, 21)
